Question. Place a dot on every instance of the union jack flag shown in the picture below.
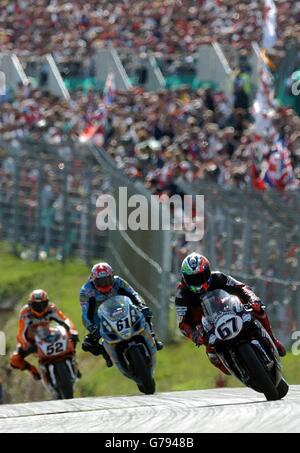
(109, 89)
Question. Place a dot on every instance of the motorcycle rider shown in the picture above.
(38, 312)
(197, 279)
(101, 285)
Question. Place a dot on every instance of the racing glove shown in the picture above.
(74, 336)
(94, 334)
(256, 305)
(147, 313)
(198, 335)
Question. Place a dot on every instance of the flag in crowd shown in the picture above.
(95, 125)
(109, 89)
(263, 107)
(270, 22)
(272, 166)
(95, 121)
(271, 158)
(279, 170)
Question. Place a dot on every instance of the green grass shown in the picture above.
(180, 366)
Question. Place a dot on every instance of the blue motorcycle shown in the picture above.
(128, 341)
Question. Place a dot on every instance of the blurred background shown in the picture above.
(163, 97)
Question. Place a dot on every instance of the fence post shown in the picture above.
(246, 243)
(15, 217)
(228, 263)
(89, 220)
(165, 293)
(295, 302)
(39, 212)
(212, 239)
(263, 260)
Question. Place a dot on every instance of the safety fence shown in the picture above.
(47, 200)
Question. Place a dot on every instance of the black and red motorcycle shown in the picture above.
(242, 344)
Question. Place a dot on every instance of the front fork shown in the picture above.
(49, 378)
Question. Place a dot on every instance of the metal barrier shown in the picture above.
(10, 65)
(212, 65)
(255, 237)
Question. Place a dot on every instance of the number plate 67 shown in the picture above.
(228, 326)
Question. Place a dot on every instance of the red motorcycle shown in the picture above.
(56, 355)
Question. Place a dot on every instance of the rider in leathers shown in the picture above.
(38, 312)
(102, 285)
(197, 279)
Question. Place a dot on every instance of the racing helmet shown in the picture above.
(38, 302)
(102, 276)
(196, 273)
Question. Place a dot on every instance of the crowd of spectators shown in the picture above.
(156, 137)
(74, 30)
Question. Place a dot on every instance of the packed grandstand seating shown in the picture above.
(163, 26)
(156, 136)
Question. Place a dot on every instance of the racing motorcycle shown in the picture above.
(127, 339)
(242, 344)
(56, 356)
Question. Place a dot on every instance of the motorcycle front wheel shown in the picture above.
(141, 370)
(257, 372)
(64, 380)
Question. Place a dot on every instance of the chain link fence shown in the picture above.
(47, 201)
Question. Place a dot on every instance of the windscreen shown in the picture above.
(218, 301)
(115, 308)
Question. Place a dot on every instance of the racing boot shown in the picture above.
(214, 359)
(106, 357)
(95, 348)
(159, 344)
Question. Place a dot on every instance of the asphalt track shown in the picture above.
(219, 410)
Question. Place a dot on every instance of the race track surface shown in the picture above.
(219, 410)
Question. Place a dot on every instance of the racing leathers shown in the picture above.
(189, 311)
(91, 298)
(28, 324)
